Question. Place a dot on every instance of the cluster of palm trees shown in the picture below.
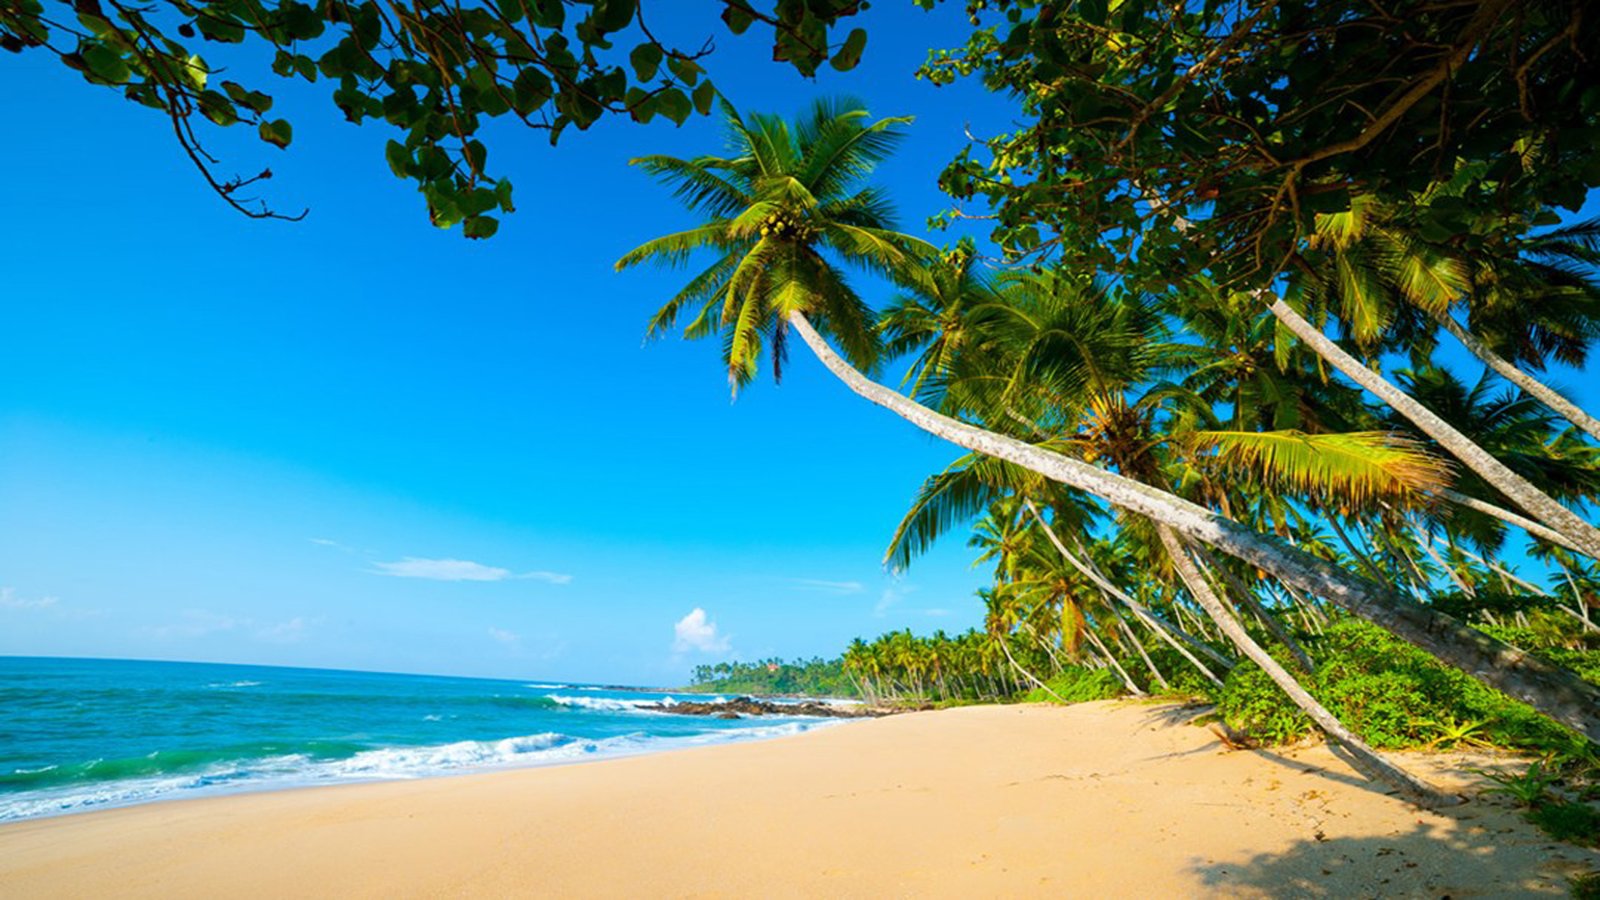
(900, 667)
(1195, 474)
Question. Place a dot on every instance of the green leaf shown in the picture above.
(613, 15)
(687, 70)
(399, 159)
(105, 64)
(646, 59)
(529, 91)
(278, 133)
(704, 96)
(850, 54)
(252, 100)
(476, 154)
(546, 13)
(480, 227)
(736, 18)
(674, 104)
(641, 105)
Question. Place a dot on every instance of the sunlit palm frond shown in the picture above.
(696, 183)
(675, 249)
(1351, 468)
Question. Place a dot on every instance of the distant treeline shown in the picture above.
(816, 677)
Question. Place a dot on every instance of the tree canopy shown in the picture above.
(435, 72)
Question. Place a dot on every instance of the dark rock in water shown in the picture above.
(750, 706)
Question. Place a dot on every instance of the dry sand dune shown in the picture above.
(1101, 799)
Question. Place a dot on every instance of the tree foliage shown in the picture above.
(435, 72)
(1248, 119)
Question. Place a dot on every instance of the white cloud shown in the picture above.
(548, 577)
(829, 587)
(936, 612)
(696, 632)
(891, 596)
(195, 623)
(199, 623)
(285, 632)
(10, 600)
(460, 570)
(509, 638)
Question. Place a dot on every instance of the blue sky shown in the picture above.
(361, 442)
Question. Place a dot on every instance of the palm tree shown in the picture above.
(1530, 301)
(780, 212)
(800, 186)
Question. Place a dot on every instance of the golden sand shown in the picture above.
(1096, 800)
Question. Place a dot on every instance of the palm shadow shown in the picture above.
(1431, 860)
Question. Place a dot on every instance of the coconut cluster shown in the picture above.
(783, 225)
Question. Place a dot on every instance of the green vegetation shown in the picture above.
(1075, 684)
(1562, 817)
(1394, 696)
(803, 677)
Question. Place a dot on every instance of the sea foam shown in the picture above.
(384, 764)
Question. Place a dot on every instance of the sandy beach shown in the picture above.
(1100, 799)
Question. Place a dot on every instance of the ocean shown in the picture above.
(82, 734)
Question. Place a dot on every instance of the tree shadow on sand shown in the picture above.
(1431, 860)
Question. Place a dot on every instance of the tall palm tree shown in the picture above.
(800, 185)
(782, 212)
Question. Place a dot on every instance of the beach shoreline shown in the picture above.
(1108, 799)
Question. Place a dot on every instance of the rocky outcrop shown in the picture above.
(739, 707)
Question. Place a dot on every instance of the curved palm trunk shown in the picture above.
(1554, 691)
(1535, 388)
(1521, 491)
(1150, 619)
(1372, 764)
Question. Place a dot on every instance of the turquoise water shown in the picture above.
(79, 734)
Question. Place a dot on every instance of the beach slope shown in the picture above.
(1099, 799)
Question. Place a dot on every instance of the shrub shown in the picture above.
(1567, 820)
(1076, 684)
(1395, 695)
(1253, 704)
(1181, 675)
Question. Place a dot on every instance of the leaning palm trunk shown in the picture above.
(1535, 388)
(1511, 518)
(1126, 631)
(1554, 691)
(1127, 680)
(1150, 619)
(1025, 673)
(1521, 491)
(1247, 598)
(1368, 760)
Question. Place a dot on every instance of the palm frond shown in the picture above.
(1351, 468)
(696, 184)
(704, 286)
(675, 249)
